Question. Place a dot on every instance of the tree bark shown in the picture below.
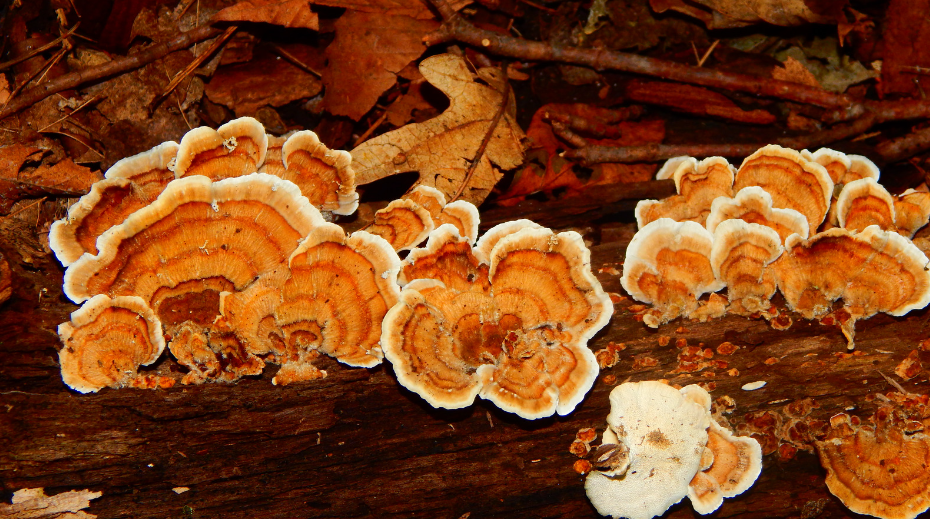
(356, 444)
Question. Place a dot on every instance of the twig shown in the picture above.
(293, 59)
(456, 28)
(180, 76)
(706, 55)
(904, 147)
(72, 112)
(656, 152)
(374, 126)
(7, 64)
(565, 133)
(117, 66)
(505, 100)
(21, 209)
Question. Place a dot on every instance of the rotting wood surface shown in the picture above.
(356, 444)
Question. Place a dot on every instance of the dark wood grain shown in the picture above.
(355, 444)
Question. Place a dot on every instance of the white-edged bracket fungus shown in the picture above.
(754, 205)
(668, 265)
(664, 435)
(865, 202)
(339, 290)
(407, 222)
(129, 185)
(507, 320)
(697, 185)
(739, 257)
(234, 149)
(792, 181)
(106, 341)
(911, 211)
(872, 271)
(879, 470)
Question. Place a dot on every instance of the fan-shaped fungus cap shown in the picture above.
(234, 149)
(324, 176)
(403, 223)
(447, 257)
(199, 237)
(274, 157)
(865, 202)
(463, 215)
(860, 167)
(835, 162)
(792, 181)
(338, 293)
(737, 463)
(249, 314)
(521, 343)
(697, 184)
(873, 271)
(754, 205)
(667, 264)
(877, 471)
(130, 184)
(911, 211)
(671, 165)
(106, 341)
(739, 256)
(665, 433)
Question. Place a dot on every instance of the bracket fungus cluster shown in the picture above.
(660, 445)
(230, 267)
(881, 470)
(507, 320)
(765, 238)
(408, 221)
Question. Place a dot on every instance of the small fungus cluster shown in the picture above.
(660, 445)
(753, 231)
(507, 319)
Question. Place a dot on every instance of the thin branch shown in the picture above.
(7, 64)
(904, 147)
(505, 100)
(112, 68)
(456, 28)
(180, 76)
(294, 61)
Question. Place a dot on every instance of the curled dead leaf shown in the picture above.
(442, 149)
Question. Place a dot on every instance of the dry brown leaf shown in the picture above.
(413, 8)
(906, 42)
(364, 59)
(441, 149)
(725, 14)
(32, 503)
(266, 80)
(792, 70)
(402, 110)
(286, 13)
(17, 182)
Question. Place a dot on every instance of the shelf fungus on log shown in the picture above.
(407, 222)
(792, 181)
(403, 223)
(879, 471)
(872, 271)
(339, 290)
(667, 264)
(274, 155)
(671, 448)
(323, 175)
(106, 342)
(234, 149)
(911, 211)
(754, 205)
(129, 185)
(740, 257)
(509, 323)
(198, 239)
(697, 185)
(865, 202)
